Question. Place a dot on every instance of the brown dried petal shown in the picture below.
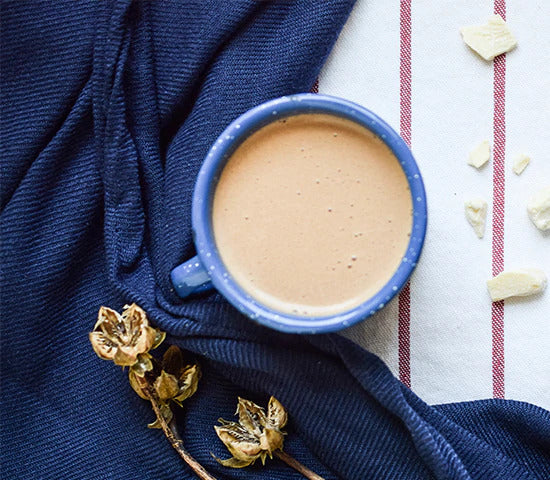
(134, 320)
(136, 385)
(172, 360)
(235, 462)
(103, 347)
(188, 382)
(251, 416)
(159, 338)
(241, 444)
(276, 414)
(125, 356)
(111, 331)
(143, 340)
(271, 440)
(143, 364)
(111, 324)
(227, 423)
(166, 386)
(107, 315)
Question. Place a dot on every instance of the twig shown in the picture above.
(173, 436)
(296, 465)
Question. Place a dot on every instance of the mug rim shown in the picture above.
(218, 155)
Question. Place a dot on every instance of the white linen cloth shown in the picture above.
(452, 111)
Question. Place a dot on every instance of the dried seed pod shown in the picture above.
(256, 435)
(123, 338)
(186, 376)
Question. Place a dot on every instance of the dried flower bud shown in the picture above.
(186, 376)
(142, 387)
(124, 338)
(257, 435)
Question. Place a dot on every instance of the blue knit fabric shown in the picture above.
(108, 109)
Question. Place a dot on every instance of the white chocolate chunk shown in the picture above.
(538, 208)
(480, 155)
(520, 163)
(491, 39)
(476, 213)
(516, 283)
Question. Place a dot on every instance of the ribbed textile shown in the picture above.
(108, 109)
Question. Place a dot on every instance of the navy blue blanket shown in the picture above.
(108, 108)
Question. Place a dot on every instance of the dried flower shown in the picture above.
(172, 380)
(256, 435)
(125, 338)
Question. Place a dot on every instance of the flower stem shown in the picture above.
(173, 436)
(296, 465)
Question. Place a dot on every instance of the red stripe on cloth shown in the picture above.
(405, 71)
(315, 88)
(404, 315)
(499, 154)
(498, 349)
(404, 335)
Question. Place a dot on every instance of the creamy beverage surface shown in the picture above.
(312, 215)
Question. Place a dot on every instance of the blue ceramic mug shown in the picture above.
(206, 270)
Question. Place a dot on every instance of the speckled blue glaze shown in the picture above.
(207, 270)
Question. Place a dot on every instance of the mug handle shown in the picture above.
(191, 277)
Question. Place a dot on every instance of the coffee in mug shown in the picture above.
(312, 214)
